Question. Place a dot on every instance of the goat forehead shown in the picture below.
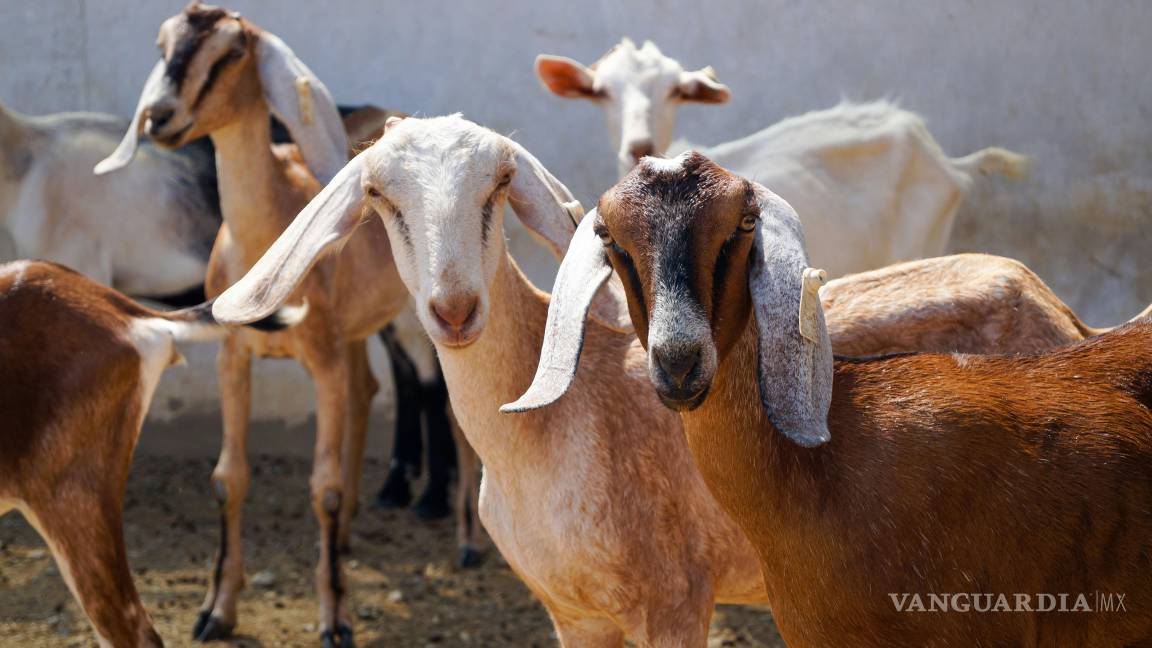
(183, 35)
(630, 65)
(421, 156)
(663, 204)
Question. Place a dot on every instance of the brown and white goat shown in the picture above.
(78, 363)
(864, 481)
(221, 76)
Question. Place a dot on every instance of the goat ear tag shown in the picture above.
(304, 95)
(810, 281)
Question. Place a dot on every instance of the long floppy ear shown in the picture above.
(545, 206)
(303, 103)
(331, 216)
(701, 86)
(584, 268)
(126, 150)
(566, 77)
(795, 355)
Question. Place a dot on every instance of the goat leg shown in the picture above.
(362, 386)
(84, 530)
(230, 481)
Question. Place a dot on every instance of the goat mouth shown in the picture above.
(457, 339)
(173, 140)
(681, 402)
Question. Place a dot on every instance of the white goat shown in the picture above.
(870, 183)
(146, 231)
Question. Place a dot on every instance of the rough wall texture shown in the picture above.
(1066, 82)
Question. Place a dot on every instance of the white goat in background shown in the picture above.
(870, 183)
(146, 231)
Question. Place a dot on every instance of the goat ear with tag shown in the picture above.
(304, 105)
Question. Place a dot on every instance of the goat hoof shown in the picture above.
(469, 557)
(340, 638)
(395, 493)
(210, 628)
(433, 506)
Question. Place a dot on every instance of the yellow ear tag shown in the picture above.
(575, 211)
(304, 96)
(810, 281)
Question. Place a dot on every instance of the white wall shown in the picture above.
(1067, 82)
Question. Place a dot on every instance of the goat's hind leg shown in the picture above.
(230, 481)
(328, 364)
(396, 492)
(362, 386)
(84, 530)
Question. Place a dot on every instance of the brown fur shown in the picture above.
(351, 294)
(73, 401)
(945, 473)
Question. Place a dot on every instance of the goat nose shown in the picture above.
(640, 149)
(159, 116)
(453, 312)
(678, 365)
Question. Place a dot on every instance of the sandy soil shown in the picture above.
(404, 589)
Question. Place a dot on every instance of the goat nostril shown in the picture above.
(455, 312)
(641, 149)
(160, 116)
(678, 366)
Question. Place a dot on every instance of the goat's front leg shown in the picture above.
(467, 501)
(230, 481)
(362, 386)
(328, 364)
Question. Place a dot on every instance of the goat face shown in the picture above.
(440, 186)
(677, 232)
(209, 70)
(639, 90)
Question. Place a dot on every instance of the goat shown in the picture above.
(861, 480)
(221, 76)
(146, 232)
(79, 362)
(869, 180)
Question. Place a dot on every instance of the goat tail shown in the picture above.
(196, 324)
(1143, 315)
(995, 160)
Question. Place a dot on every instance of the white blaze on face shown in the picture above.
(639, 89)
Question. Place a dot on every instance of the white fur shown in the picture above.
(130, 230)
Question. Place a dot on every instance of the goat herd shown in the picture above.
(668, 430)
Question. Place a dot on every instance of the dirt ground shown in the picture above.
(404, 588)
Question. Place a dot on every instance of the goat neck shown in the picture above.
(255, 185)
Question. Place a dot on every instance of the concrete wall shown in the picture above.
(1067, 82)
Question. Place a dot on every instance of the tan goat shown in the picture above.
(79, 362)
(220, 76)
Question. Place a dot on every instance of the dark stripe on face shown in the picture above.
(632, 277)
(200, 24)
(214, 73)
(403, 227)
(486, 220)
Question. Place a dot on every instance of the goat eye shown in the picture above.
(748, 223)
(504, 182)
(373, 192)
(605, 237)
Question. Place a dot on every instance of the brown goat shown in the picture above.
(79, 363)
(917, 475)
(221, 76)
